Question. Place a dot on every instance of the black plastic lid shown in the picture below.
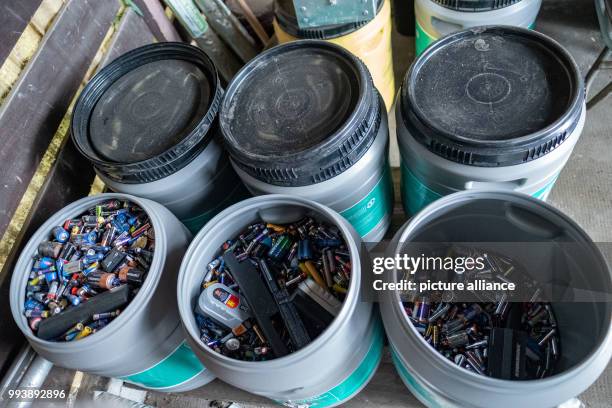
(475, 5)
(287, 20)
(300, 113)
(148, 113)
(492, 96)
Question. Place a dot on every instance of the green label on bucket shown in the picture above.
(374, 207)
(354, 382)
(177, 368)
(415, 194)
(422, 38)
(542, 193)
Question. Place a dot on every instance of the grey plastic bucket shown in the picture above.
(196, 192)
(330, 370)
(321, 135)
(585, 328)
(148, 123)
(145, 345)
(453, 139)
(438, 18)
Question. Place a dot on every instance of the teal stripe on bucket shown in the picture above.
(543, 192)
(374, 207)
(415, 194)
(413, 385)
(196, 223)
(177, 368)
(423, 39)
(355, 381)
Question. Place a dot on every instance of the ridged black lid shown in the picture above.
(475, 5)
(300, 113)
(492, 96)
(148, 113)
(286, 18)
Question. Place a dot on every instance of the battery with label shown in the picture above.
(223, 305)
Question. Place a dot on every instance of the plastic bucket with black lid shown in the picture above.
(578, 285)
(304, 119)
(437, 18)
(148, 123)
(336, 365)
(144, 345)
(368, 40)
(493, 107)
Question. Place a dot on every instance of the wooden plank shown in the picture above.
(48, 9)
(26, 45)
(195, 23)
(228, 28)
(32, 112)
(72, 175)
(14, 18)
(69, 179)
(133, 32)
(156, 19)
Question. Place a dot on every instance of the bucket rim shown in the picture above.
(445, 365)
(175, 157)
(192, 258)
(493, 153)
(338, 151)
(144, 295)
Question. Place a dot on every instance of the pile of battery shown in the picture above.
(510, 340)
(88, 271)
(273, 289)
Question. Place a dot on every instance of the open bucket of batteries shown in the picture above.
(87, 270)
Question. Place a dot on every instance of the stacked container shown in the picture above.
(148, 123)
(488, 108)
(437, 18)
(368, 40)
(305, 119)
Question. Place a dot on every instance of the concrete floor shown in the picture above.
(583, 191)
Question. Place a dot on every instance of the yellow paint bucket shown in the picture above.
(371, 42)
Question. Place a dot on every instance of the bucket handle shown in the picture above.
(537, 226)
(495, 185)
(445, 27)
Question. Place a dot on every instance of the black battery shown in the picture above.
(507, 357)
(112, 260)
